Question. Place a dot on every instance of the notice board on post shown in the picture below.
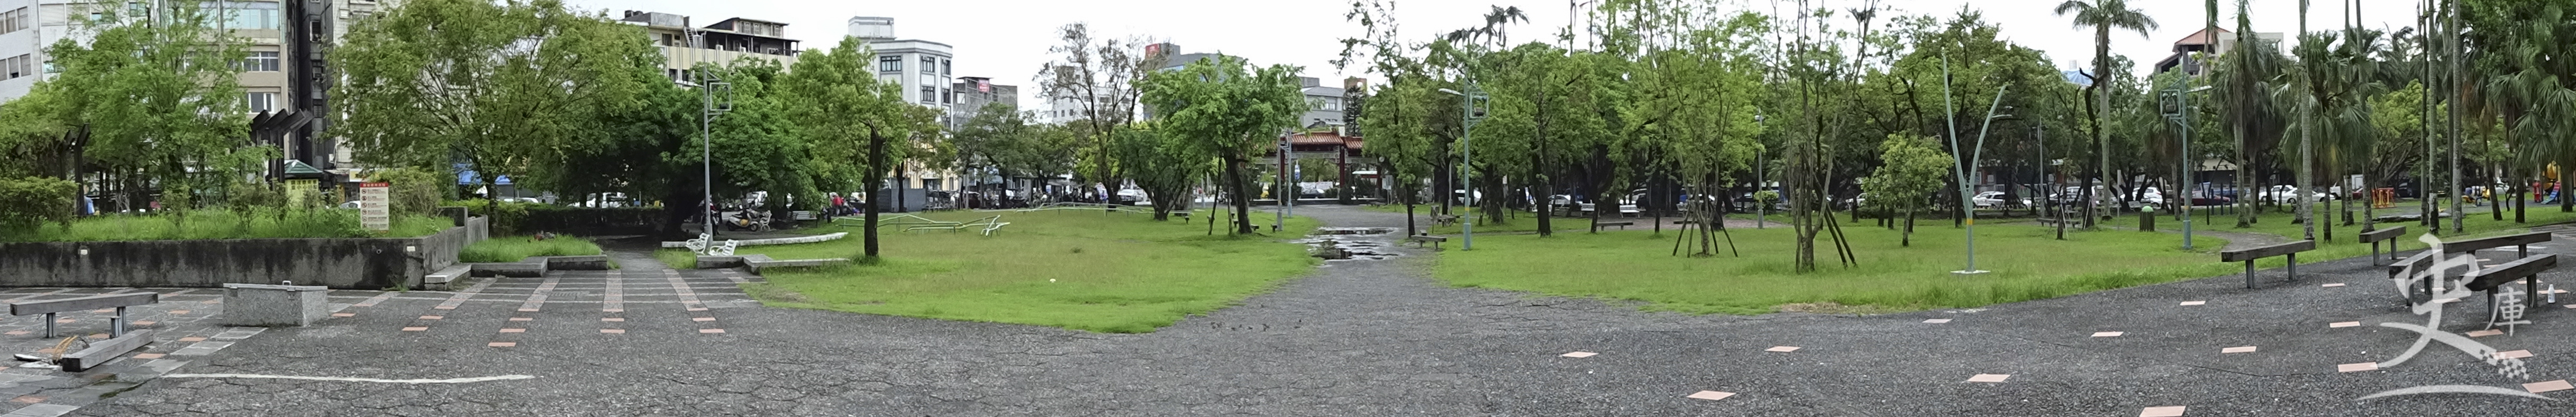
(375, 206)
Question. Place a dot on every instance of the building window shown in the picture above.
(260, 102)
(929, 65)
(930, 95)
(13, 20)
(14, 67)
(260, 61)
(947, 96)
(246, 15)
(890, 63)
(943, 67)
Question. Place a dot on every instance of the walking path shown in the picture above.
(1362, 338)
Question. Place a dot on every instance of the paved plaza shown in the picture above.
(1352, 338)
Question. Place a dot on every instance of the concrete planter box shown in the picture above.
(359, 263)
(275, 305)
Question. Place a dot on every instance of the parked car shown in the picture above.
(1993, 198)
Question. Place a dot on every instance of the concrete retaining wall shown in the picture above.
(338, 263)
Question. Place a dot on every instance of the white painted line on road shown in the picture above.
(1578, 354)
(2344, 324)
(1781, 349)
(2107, 334)
(2338, 284)
(352, 379)
(1937, 321)
(2194, 303)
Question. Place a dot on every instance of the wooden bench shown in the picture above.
(2526, 270)
(2419, 261)
(2248, 256)
(1622, 225)
(2389, 235)
(1426, 240)
(2521, 243)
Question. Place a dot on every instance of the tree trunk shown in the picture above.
(1241, 194)
(1908, 239)
(876, 177)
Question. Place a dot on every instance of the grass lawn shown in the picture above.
(515, 248)
(224, 224)
(1077, 269)
(1638, 265)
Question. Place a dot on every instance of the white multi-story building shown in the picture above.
(924, 70)
(723, 43)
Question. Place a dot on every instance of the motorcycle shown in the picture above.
(744, 219)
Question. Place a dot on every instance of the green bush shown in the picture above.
(27, 203)
(507, 218)
(263, 223)
(415, 190)
(515, 248)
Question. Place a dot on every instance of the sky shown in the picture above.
(1008, 39)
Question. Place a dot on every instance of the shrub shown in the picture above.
(27, 203)
(415, 190)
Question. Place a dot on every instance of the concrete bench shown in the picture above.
(105, 350)
(2248, 256)
(1622, 225)
(116, 325)
(1426, 240)
(440, 280)
(2526, 270)
(2389, 235)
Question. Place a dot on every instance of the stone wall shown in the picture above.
(366, 263)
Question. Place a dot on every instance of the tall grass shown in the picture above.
(226, 224)
(515, 248)
(1077, 269)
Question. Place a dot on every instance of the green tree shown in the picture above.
(1225, 106)
(156, 101)
(855, 121)
(2102, 16)
(1911, 174)
(1164, 165)
(503, 87)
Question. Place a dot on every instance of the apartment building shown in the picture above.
(684, 46)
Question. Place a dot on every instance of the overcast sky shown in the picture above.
(1007, 39)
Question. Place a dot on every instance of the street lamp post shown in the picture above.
(1761, 206)
(707, 111)
(2178, 111)
(1469, 114)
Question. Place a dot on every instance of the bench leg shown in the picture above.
(49, 325)
(2374, 253)
(2531, 291)
(2294, 266)
(2524, 250)
(2249, 274)
(116, 325)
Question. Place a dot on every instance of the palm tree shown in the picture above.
(2102, 16)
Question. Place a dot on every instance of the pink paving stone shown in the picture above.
(2345, 324)
(612, 319)
(2485, 333)
(192, 339)
(502, 344)
(2513, 354)
(2547, 386)
(523, 319)
(146, 323)
(1781, 349)
(415, 329)
(1989, 378)
(2194, 303)
(2108, 334)
(103, 310)
(433, 317)
(344, 314)
(2238, 349)
(702, 319)
(28, 399)
(612, 310)
(2174, 411)
(444, 307)
(147, 356)
(1711, 395)
(1578, 354)
(15, 332)
(210, 301)
(65, 320)
(710, 330)
(612, 330)
(2357, 367)
(514, 330)
(1937, 321)
(697, 309)
(2338, 284)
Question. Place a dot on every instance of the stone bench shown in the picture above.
(2248, 256)
(444, 277)
(119, 341)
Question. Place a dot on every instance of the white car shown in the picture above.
(1992, 198)
(2287, 194)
